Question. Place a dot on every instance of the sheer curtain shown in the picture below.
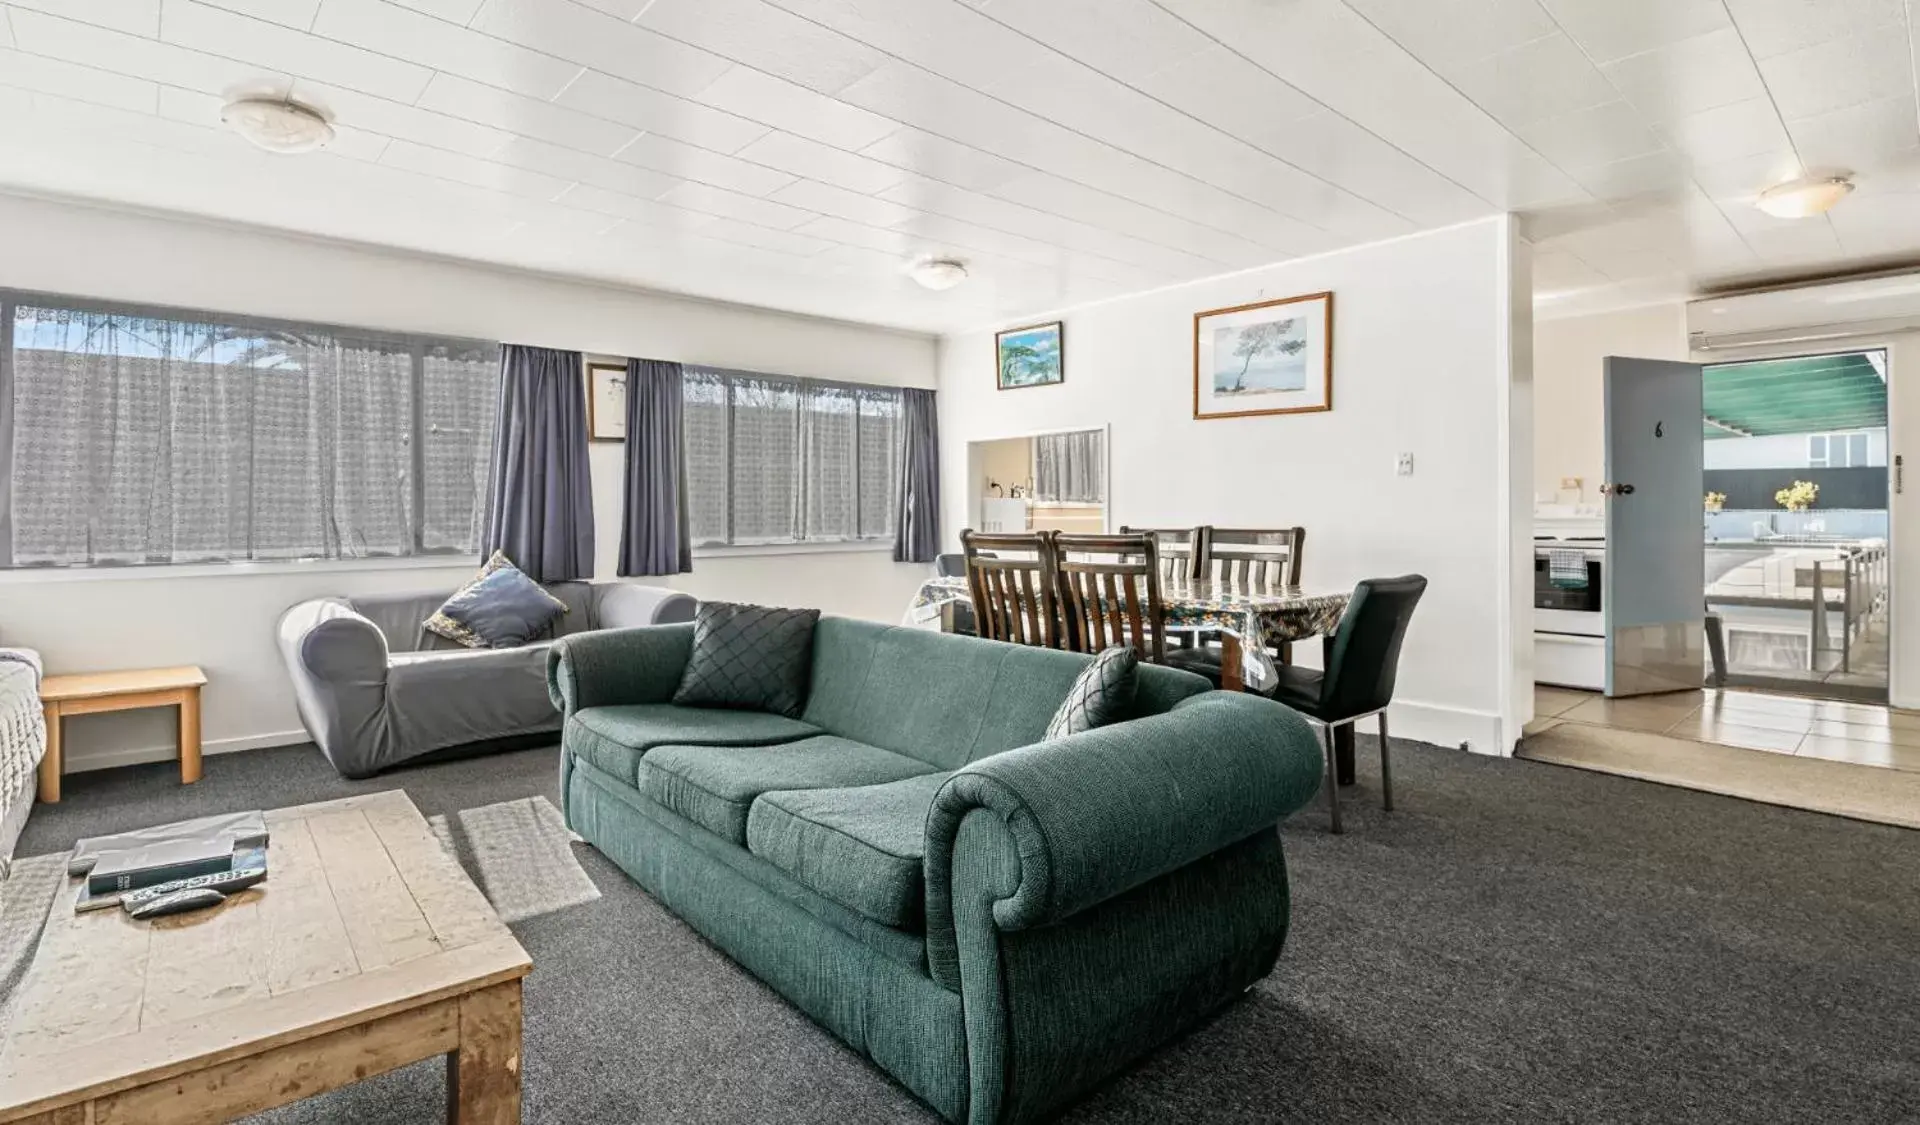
(1070, 468)
(150, 439)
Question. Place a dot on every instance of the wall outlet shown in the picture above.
(1403, 465)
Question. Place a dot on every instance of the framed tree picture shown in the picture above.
(606, 402)
(1270, 357)
(1034, 356)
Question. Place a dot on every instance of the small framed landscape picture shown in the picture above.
(1272, 357)
(1034, 356)
(606, 402)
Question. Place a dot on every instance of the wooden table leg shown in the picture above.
(51, 762)
(1230, 658)
(483, 1075)
(190, 736)
(1343, 753)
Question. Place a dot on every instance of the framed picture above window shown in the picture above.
(606, 402)
(1034, 356)
(1270, 357)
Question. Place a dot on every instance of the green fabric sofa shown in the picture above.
(999, 922)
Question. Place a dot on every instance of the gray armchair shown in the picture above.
(376, 689)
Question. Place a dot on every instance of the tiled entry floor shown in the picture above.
(1808, 728)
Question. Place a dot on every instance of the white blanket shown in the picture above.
(23, 740)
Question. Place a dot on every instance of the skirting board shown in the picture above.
(1445, 726)
(109, 759)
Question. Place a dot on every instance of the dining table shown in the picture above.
(1250, 622)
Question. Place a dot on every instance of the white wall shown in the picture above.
(1567, 409)
(1781, 451)
(1425, 361)
(225, 623)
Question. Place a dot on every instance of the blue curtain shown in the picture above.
(916, 536)
(653, 517)
(539, 496)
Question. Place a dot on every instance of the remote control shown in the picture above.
(223, 883)
(177, 902)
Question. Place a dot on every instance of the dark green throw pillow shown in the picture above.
(1101, 694)
(749, 657)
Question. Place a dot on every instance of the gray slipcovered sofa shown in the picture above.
(376, 689)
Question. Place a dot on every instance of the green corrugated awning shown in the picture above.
(1817, 394)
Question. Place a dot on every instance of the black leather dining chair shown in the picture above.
(1362, 657)
(960, 614)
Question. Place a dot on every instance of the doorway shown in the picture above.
(1796, 524)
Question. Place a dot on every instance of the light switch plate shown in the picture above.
(1403, 465)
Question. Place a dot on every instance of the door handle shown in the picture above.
(1616, 490)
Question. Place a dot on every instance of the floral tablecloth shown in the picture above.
(1260, 618)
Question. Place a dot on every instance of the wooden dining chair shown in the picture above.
(1010, 576)
(1109, 593)
(1254, 558)
(1182, 549)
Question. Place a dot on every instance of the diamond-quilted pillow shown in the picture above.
(1101, 694)
(749, 657)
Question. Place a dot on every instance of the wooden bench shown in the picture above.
(91, 693)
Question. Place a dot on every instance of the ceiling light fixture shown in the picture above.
(1805, 197)
(938, 274)
(277, 126)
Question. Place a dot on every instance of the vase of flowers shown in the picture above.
(1716, 501)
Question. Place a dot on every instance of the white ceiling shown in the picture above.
(795, 153)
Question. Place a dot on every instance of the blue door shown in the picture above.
(1652, 590)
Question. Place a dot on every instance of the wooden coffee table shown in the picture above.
(366, 949)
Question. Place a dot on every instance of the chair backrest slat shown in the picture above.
(1255, 558)
(1110, 592)
(1181, 550)
(1010, 577)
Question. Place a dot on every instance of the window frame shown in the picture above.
(801, 385)
(415, 343)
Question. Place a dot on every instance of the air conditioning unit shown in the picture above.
(1807, 316)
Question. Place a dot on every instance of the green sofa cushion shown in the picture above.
(876, 683)
(861, 847)
(614, 739)
(714, 786)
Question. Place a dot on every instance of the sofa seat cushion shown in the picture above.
(614, 739)
(714, 786)
(860, 847)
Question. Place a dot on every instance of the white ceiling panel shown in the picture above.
(1614, 29)
(825, 163)
(529, 117)
(380, 26)
(690, 162)
(82, 83)
(1872, 64)
(135, 17)
(766, 38)
(661, 115)
(800, 152)
(825, 199)
(1546, 77)
(1688, 77)
(761, 97)
(284, 50)
(942, 159)
(733, 205)
(142, 57)
(611, 46)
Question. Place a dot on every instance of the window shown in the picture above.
(772, 459)
(1836, 451)
(143, 437)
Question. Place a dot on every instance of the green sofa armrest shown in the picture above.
(614, 666)
(1094, 815)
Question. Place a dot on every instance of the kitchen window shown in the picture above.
(1836, 451)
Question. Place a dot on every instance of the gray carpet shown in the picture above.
(1519, 942)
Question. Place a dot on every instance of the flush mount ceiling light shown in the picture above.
(277, 126)
(938, 274)
(1803, 198)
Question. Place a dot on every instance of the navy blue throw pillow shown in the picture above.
(500, 608)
